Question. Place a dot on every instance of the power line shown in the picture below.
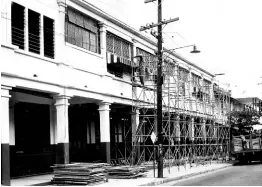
(171, 40)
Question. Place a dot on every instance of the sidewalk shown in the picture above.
(39, 180)
(176, 173)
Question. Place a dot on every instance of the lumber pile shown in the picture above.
(125, 172)
(79, 174)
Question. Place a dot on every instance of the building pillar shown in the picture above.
(135, 75)
(188, 86)
(135, 123)
(104, 109)
(135, 136)
(203, 127)
(212, 97)
(12, 123)
(53, 130)
(177, 128)
(5, 152)
(191, 129)
(103, 43)
(62, 132)
(60, 55)
(6, 22)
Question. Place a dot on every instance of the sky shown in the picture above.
(227, 32)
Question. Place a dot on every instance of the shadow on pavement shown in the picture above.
(237, 163)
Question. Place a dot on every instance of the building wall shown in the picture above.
(76, 75)
(75, 70)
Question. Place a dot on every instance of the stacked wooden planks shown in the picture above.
(125, 172)
(79, 174)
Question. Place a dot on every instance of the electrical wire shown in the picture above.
(179, 36)
(171, 39)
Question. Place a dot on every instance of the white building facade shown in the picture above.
(66, 89)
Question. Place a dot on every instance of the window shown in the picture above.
(147, 57)
(196, 80)
(183, 79)
(17, 24)
(118, 133)
(183, 74)
(119, 53)
(34, 31)
(91, 137)
(49, 37)
(196, 86)
(206, 90)
(118, 46)
(82, 31)
(149, 64)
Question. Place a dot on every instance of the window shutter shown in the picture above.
(48, 37)
(79, 19)
(17, 23)
(71, 15)
(92, 42)
(34, 31)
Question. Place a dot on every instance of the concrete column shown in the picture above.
(203, 128)
(188, 86)
(135, 123)
(60, 55)
(191, 129)
(212, 97)
(6, 22)
(177, 128)
(12, 123)
(5, 140)
(53, 123)
(61, 132)
(134, 47)
(135, 73)
(103, 44)
(104, 109)
(135, 139)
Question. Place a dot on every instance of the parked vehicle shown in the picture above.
(247, 148)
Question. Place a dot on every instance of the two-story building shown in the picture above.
(67, 89)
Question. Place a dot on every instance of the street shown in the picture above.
(239, 175)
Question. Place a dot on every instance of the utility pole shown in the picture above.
(159, 81)
(159, 92)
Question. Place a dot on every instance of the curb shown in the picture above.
(167, 180)
(42, 184)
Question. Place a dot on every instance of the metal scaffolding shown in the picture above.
(195, 110)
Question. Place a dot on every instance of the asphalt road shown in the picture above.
(241, 175)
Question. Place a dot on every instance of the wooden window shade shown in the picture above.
(34, 31)
(18, 24)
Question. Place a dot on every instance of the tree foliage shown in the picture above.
(242, 121)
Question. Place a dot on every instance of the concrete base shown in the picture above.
(62, 153)
(5, 165)
(105, 152)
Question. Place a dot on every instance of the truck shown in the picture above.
(247, 148)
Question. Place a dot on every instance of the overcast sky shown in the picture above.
(228, 33)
